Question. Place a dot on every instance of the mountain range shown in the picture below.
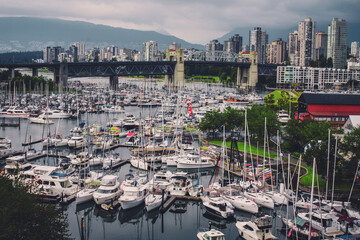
(33, 34)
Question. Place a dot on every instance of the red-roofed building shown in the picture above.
(334, 108)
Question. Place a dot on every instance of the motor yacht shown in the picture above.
(109, 190)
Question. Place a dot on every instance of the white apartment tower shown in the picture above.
(150, 50)
(337, 46)
(355, 49)
(307, 41)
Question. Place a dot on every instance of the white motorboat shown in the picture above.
(55, 140)
(179, 185)
(133, 196)
(109, 190)
(260, 199)
(259, 229)
(155, 199)
(55, 114)
(194, 161)
(212, 234)
(86, 194)
(40, 120)
(77, 141)
(139, 163)
(324, 222)
(240, 202)
(14, 111)
(216, 205)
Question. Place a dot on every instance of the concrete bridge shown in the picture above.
(173, 68)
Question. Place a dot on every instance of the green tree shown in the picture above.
(22, 217)
(256, 121)
(212, 122)
(297, 133)
(350, 148)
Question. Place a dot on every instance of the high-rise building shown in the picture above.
(276, 52)
(51, 54)
(294, 48)
(258, 40)
(212, 48)
(337, 47)
(321, 45)
(355, 49)
(81, 50)
(73, 52)
(150, 50)
(234, 44)
(307, 41)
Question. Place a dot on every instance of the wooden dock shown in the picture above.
(31, 142)
(172, 199)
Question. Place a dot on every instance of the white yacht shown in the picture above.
(216, 205)
(212, 234)
(153, 200)
(259, 229)
(54, 114)
(239, 201)
(133, 196)
(194, 161)
(40, 120)
(139, 163)
(77, 141)
(109, 190)
(324, 222)
(260, 198)
(86, 194)
(179, 185)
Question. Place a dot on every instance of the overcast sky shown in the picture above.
(196, 21)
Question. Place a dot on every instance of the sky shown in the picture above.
(196, 21)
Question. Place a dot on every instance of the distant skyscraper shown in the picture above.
(337, 46)
(81, 50)
(355, 49)
(321, 45)
(51, 54)
(150, 50)
(277, 52)
(211, 48)
(258, 41)
(234, 44)
(307, 41)
(294, 48)
(73, 51)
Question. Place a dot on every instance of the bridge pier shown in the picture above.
(177, 80)
(61, 76)
(248, 77)
(35, 72)
(114, 82)
(12, 73)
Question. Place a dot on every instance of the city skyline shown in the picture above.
(196, 22)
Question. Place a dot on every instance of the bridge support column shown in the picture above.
(61, 76)
(177, 81)
(35, 72)
(114, 82)
(11, 73)
(253, 70)
(248, 77)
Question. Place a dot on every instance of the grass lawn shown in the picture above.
(241, 148)
(307, 179)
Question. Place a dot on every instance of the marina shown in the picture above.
(105, 145)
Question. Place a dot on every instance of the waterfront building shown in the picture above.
(309, 78)
(321, 45)
(355, 49)
(294, 48)
(337, 46)
(258, 40)
(277, 52)
(307, 41)
(335, 108)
